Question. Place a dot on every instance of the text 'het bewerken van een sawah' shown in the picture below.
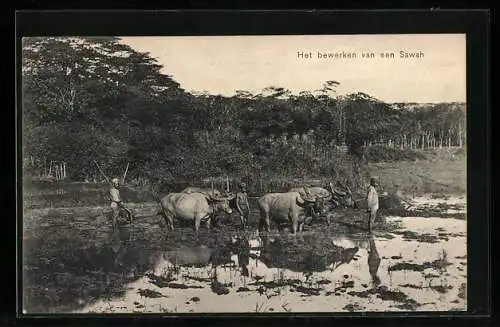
(359, 55)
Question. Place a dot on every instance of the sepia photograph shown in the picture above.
(244, 174)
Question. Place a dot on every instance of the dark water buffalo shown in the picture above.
(288, 208)
(207, 191)
(314, 191)
(193, 207)
(338, 195)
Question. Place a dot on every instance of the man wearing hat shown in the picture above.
(372, 202)
(116, 201)
(242, 204)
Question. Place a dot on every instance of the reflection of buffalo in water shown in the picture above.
(366, 242)
(217, 255)
(309, 253)
(220, 255)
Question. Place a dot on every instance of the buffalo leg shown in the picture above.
(169, 220)
(265, 221)
(196, 226)
(294, 226)
(262, 225)
(307, 221)
(209, 223)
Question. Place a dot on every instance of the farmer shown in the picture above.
(372, 202)
(242, 204)
(116, 202)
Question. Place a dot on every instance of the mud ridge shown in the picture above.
(437, 264)
(385, 294)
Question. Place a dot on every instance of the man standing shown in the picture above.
(116, 201)
(242, 204)
(372, 202)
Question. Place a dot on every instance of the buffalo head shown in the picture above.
(312, 202)
(342, 195)
(221, 203)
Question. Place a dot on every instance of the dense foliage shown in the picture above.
(88, 99)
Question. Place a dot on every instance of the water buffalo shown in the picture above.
(291, 207)
(193, 207)
(207, 191)
(315, 191)
(338, 196)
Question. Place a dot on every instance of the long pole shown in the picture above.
(125, 174)
(102, 172)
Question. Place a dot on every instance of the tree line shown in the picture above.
(88, 99)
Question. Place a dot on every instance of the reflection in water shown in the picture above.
(373, 261)
(194, 256)
(242, 250)
(303, 253)
(119, 245)
(306, 253)
(366, 242)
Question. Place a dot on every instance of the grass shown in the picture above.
(438, 174)
(260, 307)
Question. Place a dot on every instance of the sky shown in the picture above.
(224, 64)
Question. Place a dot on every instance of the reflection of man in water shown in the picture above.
(119, 248)
(368, 243)
(372, 202)
(373, 261)
(243, 251)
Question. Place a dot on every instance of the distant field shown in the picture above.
(442, 172)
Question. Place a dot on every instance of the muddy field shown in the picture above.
(74, 263)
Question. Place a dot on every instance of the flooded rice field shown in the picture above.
(73, 263)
